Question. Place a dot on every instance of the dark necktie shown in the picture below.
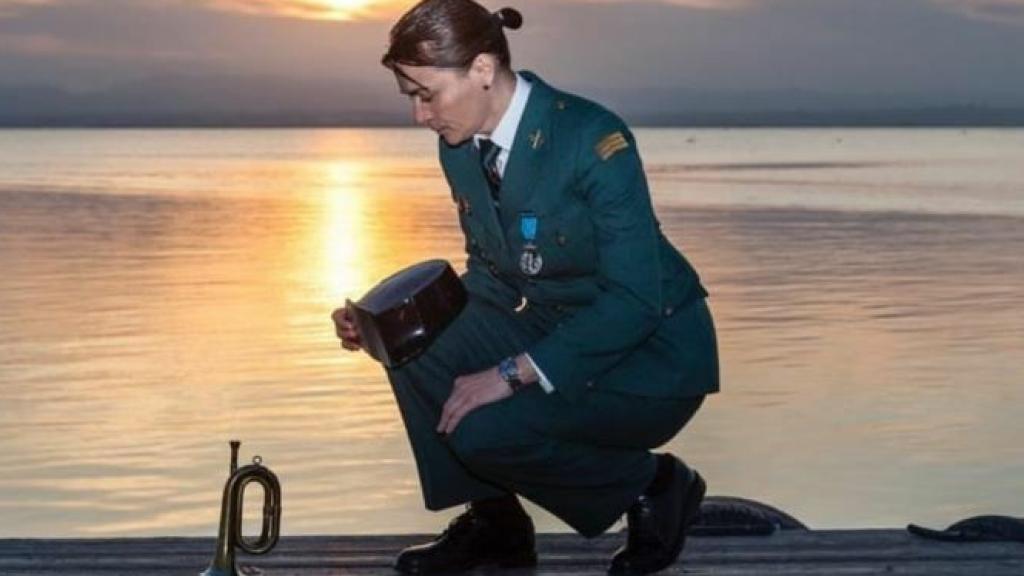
(489, 162)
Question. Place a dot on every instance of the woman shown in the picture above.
(586, 341)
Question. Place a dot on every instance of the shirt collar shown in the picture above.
(505, 133)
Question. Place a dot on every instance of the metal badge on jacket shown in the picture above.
(530, 261)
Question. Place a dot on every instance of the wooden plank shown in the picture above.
(910, 569)
(796, 553)
(820, 545)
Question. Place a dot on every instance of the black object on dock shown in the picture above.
(989, 528)
(733, 516)
(786, 552)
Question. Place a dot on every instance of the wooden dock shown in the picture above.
(803, 553)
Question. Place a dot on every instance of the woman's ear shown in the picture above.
(483, 70)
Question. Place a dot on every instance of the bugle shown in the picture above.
(230, 534)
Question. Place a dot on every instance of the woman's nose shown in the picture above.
(420, 112)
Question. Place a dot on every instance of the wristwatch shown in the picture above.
(509, 372)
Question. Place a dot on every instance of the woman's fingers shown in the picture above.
(454, 409)
(446, 414)
(470, 392)
(450, 419)
(352, 339)
(345, 329)
(456, 417)
(350, 335)
(340, 316)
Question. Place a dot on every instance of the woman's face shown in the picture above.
(451, 102)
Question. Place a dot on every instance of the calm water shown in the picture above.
(162, 292)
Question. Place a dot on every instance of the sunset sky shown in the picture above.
(885, 52)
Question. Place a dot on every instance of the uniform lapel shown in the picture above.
(529, 153)
(468, 157)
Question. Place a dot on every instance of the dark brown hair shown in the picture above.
(450, 34)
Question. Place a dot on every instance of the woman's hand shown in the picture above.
(345, 328)
(469, 393)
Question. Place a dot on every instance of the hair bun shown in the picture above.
(509, 18)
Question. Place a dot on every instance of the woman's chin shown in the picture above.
(451, 137)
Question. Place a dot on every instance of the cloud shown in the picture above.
(342, 10)
(389, 9)
(1004, 11)
(713, 4)
(33, 44)
(51, 45)
(338, 10)
(12, 4)
(701, 4)
(93, 44)
(351, 10)
(313, 9)
(9, 8)
(115, 30)
(632, 53)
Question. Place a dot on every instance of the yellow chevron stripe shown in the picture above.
(611, 144)
(611, 141)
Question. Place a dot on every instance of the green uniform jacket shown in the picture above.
(617, 288)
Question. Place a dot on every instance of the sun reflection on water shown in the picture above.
(345, 234)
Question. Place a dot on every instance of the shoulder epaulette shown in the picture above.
(611, 144)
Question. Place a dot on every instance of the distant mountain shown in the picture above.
(264, 101)
(200, 100)
(668, 106)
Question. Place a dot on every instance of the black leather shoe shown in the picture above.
(472, 539)
(657, 524)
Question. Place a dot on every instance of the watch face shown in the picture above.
(510, 373)
(507, 368)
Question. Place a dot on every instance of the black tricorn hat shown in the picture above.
(399, 318)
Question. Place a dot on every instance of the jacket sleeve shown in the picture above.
(628, 307)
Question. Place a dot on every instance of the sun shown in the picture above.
(349, 9)
(343, 10)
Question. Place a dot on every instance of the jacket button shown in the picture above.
(590, 384)
(472, 241)
(560, 239)
(669, 310)
(492, 267)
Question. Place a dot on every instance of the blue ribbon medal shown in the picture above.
(530, 261)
